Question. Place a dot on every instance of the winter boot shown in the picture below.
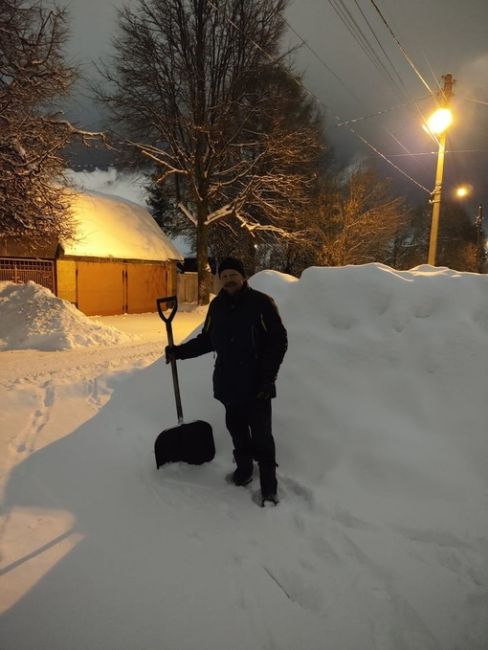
(244, 471)
(269, 484)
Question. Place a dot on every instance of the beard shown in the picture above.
(231, 286)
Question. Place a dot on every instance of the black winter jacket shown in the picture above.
(246, 332)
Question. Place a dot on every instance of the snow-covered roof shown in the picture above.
(113, 227)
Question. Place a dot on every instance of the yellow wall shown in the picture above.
(66, 279)
(102, 287)
(99, 287)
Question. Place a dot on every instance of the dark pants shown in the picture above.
(249, 425)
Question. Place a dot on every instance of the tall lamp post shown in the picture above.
(462, 192)
(438, 124)
(480, 253)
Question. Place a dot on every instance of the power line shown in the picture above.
(434, 76)
(321, 60)
(475, 101)
(382, 112)
(401, 86)
(403, 50)
(307, 45)
(435, 153)
(393, 137)
(377, 151)
(379, 43)
(341, 122)
(328, 109)
(361, 39)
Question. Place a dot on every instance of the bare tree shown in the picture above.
(457, 246)
(361, 219)
(32, 135)
(186, 83)
(289, 106)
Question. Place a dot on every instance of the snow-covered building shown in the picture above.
(119, 260)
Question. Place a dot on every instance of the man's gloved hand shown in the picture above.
(265, 390)
(171, 352)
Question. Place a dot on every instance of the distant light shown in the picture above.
(461, 192)
(439, 121)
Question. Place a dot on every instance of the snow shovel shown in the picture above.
(192, 442)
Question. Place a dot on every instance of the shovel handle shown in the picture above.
(172, 301)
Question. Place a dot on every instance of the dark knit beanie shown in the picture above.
(232, 263)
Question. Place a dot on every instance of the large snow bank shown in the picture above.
(385, 383)
(32, 317)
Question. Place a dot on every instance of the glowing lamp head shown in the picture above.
(462, 192)
(439, 121)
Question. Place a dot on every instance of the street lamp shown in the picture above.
(462, 191)
(439, 121)
(437, 124)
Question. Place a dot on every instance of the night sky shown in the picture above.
(439, 36)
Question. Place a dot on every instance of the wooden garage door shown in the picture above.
(100, 288)
(145, 283)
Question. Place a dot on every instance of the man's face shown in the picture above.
(232, 281)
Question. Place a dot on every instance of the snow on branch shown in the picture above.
(187, 213)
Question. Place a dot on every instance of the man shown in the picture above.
(244, 328)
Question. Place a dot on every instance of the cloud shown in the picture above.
(130, 186)
(473, 78)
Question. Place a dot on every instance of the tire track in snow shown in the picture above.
(28, 366)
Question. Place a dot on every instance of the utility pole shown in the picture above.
(479, 245)
(444, 99)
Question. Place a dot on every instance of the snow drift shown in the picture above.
(32, 317)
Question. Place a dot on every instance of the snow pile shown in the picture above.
(381, 536)
(273, 283)
(388, 371)
(32, 317)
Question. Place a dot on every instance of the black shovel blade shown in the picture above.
(188, 443)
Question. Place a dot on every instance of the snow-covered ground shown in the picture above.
(381, 537)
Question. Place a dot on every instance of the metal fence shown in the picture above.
(20, 270)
